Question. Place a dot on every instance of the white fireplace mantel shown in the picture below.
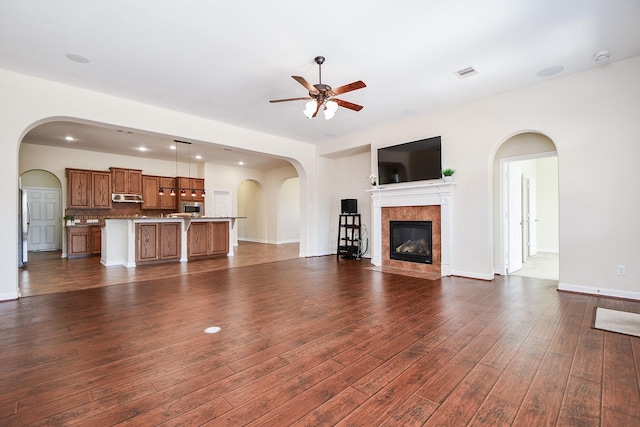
(429, 194)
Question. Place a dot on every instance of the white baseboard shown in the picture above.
(472, 275)
(598, 291)
(549, 251)
(268, 242)
(9, 296)
(247, 239)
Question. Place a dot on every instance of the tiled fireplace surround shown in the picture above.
(421, 202)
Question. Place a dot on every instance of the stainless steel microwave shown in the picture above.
(193, 208)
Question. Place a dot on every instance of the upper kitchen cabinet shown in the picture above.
(126, 181)
(191, 185)
(150, 192)
(88, 189)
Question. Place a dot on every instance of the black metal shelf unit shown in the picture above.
(349, 236)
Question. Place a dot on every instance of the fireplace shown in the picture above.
(411, 241)
(429, 201)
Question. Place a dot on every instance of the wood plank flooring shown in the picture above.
(313, 342)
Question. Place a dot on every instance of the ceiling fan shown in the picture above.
(322, 95)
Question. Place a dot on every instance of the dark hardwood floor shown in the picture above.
(312, 342)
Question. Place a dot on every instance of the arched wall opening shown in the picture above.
(40, 212)
(35, 157)
(526, 206)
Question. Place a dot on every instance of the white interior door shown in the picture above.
(45, 226)
(532, 217)
(514, 217)
(221, 203)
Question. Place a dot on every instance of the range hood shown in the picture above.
(126, 198)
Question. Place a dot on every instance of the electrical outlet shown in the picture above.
(621, 270)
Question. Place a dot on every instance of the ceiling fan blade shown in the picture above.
(290, 99)
(348, 88)
(312, 90)
(347, 104)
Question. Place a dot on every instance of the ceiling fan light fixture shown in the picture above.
(320, 95)
(310, 108)
(330, 109)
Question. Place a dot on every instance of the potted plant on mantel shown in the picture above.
(447, 174)
(68, 219)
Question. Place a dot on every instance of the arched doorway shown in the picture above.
(526, 207)
(40, 212)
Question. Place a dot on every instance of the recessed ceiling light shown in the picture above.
(212, 330)
(241, 163)
(172, 147)
(142, 149)
(77, 58)
(550, 71)
(198, 156)
(69, 138)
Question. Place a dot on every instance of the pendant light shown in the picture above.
(173, 190)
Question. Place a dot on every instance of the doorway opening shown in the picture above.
(527, 212)
(40, 214)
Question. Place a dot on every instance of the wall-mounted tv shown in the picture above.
(412, 161)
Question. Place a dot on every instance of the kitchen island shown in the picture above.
(139, 241)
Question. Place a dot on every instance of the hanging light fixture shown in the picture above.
(173, 190)
(330, 108)
(310, 108)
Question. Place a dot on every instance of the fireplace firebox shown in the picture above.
(411, 241)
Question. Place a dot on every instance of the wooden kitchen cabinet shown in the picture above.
(167, 201)
(151, 199)
(126, 181)
(190, 184)
(100, 190)
(150, 196)
(78, 189)
(87, 189)
(207, 238)
(96, 240)
(83, 241)
(158, 242)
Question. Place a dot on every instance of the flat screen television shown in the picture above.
(412, 161)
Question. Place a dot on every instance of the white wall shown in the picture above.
(289, 211)
(592, 117)
(343, 178)
(251, 204)
(547, 199)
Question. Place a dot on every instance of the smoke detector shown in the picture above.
(602, 56)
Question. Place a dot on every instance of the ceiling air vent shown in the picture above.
(466, 72)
